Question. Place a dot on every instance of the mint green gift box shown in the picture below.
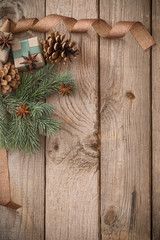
(5, 52)
(21, 48)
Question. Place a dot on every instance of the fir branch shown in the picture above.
(26, 86)
(48, 126)
(64, 77)
(39, 109)
(21, 132)
(30, 82)
(42, 84)
(23, 135)
(43, 72)
(2, 109)
(11, 103)
(3, 133)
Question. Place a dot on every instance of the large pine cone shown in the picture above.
(57, 50)
(9, 77)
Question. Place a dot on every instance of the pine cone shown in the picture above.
(56, 49)
(9, 77)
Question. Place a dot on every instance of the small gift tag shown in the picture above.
(5, 46)
(24, 50)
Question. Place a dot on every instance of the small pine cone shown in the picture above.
(56, 49)
(9, 77)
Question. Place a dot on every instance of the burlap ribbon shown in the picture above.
(45, 25)
(5, 195)
(102, 28)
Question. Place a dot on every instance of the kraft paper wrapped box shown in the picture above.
(5, 52)
(22, 47)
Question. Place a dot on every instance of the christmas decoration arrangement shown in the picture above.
(26, 83)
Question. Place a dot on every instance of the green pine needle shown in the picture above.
(3, 132)
(23, 133)
(42, 84)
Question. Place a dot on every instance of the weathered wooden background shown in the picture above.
(100, 177)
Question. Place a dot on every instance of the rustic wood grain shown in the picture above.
(26, 171)
(156, 122)
(72, 157)
(125, 127)
(72, 171)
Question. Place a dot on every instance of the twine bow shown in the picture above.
(46, 24)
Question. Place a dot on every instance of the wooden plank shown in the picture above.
(125, 127)
(155, 122)
(72, 157)
(26, 171)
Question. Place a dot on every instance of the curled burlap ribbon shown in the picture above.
(102, 28)
(45, 25)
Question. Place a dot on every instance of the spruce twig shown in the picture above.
(21, 131)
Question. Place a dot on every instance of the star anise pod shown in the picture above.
(22, 111)
(5, 41)
(65, 89)
(31, 60)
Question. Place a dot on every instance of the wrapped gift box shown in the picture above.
(21, 48)
(5, 52)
